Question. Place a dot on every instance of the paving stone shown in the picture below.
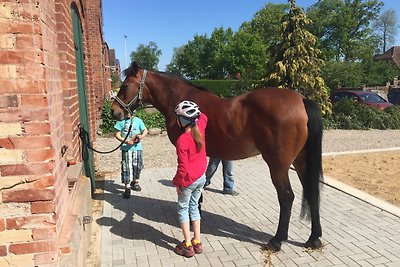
(145, 232)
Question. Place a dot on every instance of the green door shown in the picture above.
(87, 154)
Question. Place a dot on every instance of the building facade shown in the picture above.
(53, 79)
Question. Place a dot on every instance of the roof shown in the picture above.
(393, 54)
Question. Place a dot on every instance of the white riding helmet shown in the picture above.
(187, 109)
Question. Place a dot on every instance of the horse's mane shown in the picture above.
(134, 68)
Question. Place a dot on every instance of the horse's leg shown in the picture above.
(280, 179)
(308, 164)
(310, 205)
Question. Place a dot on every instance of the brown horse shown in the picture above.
(280, 124)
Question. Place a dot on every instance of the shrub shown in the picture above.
(108, 121)
(152, 120)
(347, 114)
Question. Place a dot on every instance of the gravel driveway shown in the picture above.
(158, 151)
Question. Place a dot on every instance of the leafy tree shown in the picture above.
(378, 72)
(342, 74)
(223, 55)
(387, 26)
(343, 27)
(187, 59)
(266, 23)
(147, 56)
(174, 67)
(298, 61)
(214, 59)
(246, 56)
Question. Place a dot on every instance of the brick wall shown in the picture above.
(39, 113)
(96, 66)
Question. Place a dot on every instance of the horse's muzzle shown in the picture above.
(118, 115)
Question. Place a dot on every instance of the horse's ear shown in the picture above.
(135, 66)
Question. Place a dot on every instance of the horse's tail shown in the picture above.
(313, 170)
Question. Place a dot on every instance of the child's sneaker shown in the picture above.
(135, 187)
(183, 250)
(197, 247)
(127, 193)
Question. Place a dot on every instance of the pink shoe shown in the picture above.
(183, 250)
(198, 248)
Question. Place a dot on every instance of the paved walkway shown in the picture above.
(143, 230)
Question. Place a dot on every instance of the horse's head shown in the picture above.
(129, 96)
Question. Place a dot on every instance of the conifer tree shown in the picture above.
(297, 60)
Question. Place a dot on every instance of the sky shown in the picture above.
(171, 24)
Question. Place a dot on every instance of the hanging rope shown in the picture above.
(84, 136)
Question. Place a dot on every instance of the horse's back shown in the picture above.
(261, 120)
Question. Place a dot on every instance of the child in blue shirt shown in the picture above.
(131, 151)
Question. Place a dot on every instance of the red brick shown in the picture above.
(45, 258)
(6, 143)
(10, 114)
(44, 233)
(31, 72)
(30, 222)
(34, 128)
(22, 86)
(3, 251)
(20, 27)
(16, 57)
(34, 101)
(42, 183)
(2, 224)
(39, 155)
(28, 142)
(32, 247)
(34, 114)
(28, 195)
(7, 101)
(65, 250)
(26, 169)
(26, 114)
(43, 207)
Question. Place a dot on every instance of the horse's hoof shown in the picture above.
(313, 244)
(273, 246)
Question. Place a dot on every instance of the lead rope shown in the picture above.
(84, 135)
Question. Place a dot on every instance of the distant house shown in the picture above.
(114, 63)
(391, 55)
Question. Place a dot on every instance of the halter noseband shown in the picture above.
(137, 98)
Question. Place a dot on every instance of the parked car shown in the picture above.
(367, 98)
(394, 97)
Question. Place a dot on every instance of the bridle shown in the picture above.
(84, 135)
(137, 98)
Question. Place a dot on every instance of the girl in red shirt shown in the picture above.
(190, 174)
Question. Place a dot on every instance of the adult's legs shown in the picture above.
(211, 169)
(227, 171)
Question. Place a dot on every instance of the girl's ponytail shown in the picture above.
(198, 138)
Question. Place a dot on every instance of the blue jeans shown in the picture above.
(227, 172)
(188, 201)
